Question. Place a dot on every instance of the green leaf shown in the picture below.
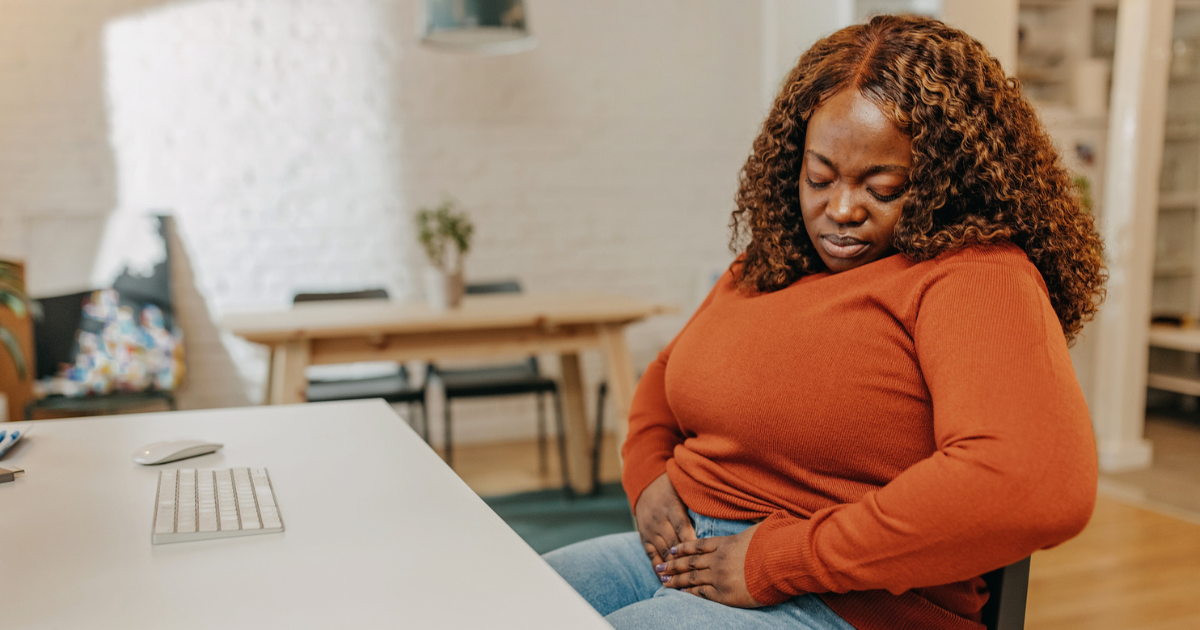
(14, 349)
(14, 302)
(441, 228)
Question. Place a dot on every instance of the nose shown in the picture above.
(842, 209)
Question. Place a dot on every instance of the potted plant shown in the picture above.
(445, 233)
(16, 339)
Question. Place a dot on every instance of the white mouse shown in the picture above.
(173, 450)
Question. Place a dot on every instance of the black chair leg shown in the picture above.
(424, 420)
(599, 440)
(541, 427)
(562, 446)
(411, 408)
(446, 434)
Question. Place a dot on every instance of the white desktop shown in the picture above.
(380, 533)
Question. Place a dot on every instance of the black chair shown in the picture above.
(506, 380)
(395, 387)
(601, 394)
(1007, 588)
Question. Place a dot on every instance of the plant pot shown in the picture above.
(17, 390)
(443, 290)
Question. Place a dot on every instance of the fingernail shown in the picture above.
(674, 550)
(664, 578)
(659, 568)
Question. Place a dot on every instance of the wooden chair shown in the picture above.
(1008, 588)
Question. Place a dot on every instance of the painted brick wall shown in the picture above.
(294, 140)
(603, 160)
(268, 129)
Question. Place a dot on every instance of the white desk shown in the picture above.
(75, 546)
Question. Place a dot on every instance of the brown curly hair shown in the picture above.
(984, 171)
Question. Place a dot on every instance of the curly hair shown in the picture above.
(984, 171)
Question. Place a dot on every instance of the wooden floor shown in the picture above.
(1173, 481)
(508, 467)
(1131, 568)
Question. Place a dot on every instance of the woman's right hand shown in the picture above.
(662, 519)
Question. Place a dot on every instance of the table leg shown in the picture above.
(269, 388)
(579, 453)
(287, 372)
(621, 380)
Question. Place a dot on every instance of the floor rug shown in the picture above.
(547, 520)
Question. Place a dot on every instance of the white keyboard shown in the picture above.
(201, 504)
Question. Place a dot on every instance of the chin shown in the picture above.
(838, 265)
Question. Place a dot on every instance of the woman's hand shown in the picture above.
(662, 519)
(712, 568)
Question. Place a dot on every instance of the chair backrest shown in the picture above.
(494, 287)
(1007, 588)
(497, 286)
(368, 294)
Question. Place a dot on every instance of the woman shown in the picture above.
(875, 405)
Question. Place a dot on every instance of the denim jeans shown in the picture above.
(614, 575)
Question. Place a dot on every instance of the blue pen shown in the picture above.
(6, 443)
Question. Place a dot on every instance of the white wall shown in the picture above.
(268, 129)
(993, 23)
(57, 173)
(790, 27)
(293, 141)
(605, 159)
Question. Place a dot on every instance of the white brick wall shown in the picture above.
(293, 140)
(605, 159)
(268, 128)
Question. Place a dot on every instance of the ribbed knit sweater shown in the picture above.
(900, 429)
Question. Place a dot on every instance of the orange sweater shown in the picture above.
(901, 428)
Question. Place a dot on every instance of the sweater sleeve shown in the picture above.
(653, 429)
(1014, 469)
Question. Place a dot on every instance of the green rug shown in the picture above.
(548, 520)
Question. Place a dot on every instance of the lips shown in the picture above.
(842, 246)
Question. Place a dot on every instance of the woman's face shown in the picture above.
(852, 180)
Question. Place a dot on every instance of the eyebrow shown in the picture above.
(878, 168)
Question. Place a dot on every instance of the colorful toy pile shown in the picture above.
(132, 352)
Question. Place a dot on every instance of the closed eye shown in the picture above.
(816, 185)
(887, 198)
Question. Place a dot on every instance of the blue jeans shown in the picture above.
(614, 575)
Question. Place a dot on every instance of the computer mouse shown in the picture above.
(173, 450)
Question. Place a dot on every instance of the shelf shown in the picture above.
(1180, 383)
(1173, 271)
(1178, 200)
(1056, 74)
(1175, 338)
(1173, 376)
(1182, 130)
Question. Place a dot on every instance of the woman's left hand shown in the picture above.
(712, 568)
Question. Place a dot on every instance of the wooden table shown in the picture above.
(484, 326)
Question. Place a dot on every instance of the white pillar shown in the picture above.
(1135, 144)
